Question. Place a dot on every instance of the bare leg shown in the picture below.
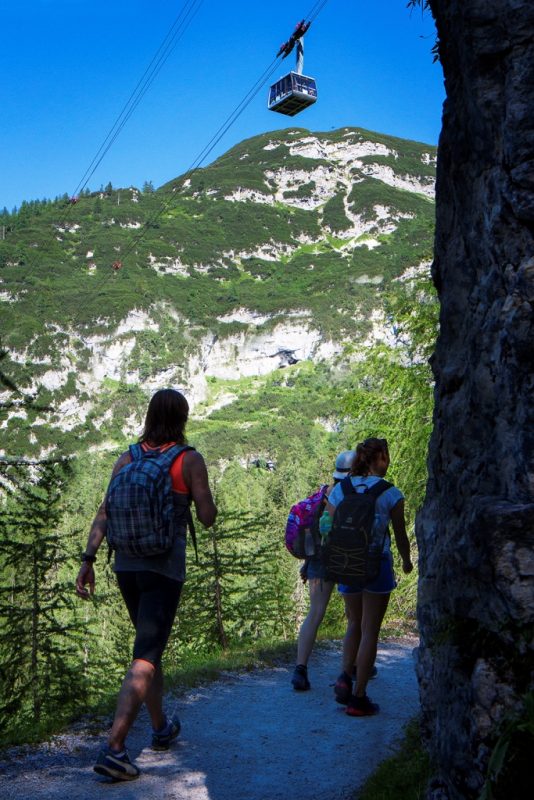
(351, 642)
(134, 690)
(320, 592)
(373, 609)
(154, 700)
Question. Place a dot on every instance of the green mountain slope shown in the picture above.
(281, 251)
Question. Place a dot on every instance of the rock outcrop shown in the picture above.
(476, 530)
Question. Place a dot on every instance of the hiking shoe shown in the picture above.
(119, 767)
(374, 673)
(161, 740)
(343, 689)
(300, 678)
(361, 707)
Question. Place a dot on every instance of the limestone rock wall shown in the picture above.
(476, 530)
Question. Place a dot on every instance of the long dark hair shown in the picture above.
(166, 418)
(366, 453)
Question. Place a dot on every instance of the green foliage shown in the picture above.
(392, 397)
(334, 214)
(39, 633)
(228, 595)
(392, 394)
(509, 765)
(405, 775)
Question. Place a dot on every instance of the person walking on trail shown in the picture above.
(313, 572)
(150, 584)
(365, 608)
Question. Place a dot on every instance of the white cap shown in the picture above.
(343, 464)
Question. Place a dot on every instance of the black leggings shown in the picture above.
(152, 601)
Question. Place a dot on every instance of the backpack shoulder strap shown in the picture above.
(168, 457)
(379, 487)
(136, 451)
(346, 486)
(324, 500)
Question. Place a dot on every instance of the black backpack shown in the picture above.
(353, 550)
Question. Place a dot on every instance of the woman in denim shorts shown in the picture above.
(366, 608)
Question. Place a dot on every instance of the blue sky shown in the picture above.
(68, 67)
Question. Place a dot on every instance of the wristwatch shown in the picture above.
(88, 557)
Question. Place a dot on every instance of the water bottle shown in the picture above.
(325, 525)
(309, 546)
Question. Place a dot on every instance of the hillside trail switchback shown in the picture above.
(246, 736)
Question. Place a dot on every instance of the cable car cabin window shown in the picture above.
(280, 89)
(292, 93)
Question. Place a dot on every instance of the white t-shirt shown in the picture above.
(384, 504)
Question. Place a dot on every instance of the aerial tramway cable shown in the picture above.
(223, 129)
(197, 163)
(205, 152)
(173, 36)
(209, 147)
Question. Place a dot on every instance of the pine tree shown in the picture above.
(40, 635)
(228, 596)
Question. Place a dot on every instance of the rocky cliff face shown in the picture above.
(476, 531)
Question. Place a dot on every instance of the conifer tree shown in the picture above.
(39, 632)
(228, 595)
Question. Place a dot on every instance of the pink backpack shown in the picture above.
(302, 529)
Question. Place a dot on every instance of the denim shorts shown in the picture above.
(313, 568)
(383, 584)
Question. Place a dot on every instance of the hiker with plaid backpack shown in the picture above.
(144, 519)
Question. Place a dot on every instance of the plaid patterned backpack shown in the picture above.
(141, 518)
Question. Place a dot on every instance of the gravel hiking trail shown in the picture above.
(246, 736)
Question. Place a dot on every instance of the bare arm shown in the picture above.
(401, 537)
(196, 478)
(97, 533)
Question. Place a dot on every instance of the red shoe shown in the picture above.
(361, 707)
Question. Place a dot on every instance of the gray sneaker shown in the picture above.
(120, 768)
(300, 680)
(162, 740)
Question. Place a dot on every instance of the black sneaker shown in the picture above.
(300, 678)
(118, 767)
(343, 689)
(374, 673)
(163, 739)
(361, 707)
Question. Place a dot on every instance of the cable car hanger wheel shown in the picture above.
(294, 92)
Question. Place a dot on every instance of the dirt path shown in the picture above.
(247, 736)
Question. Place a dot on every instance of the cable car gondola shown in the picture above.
(295, 91)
